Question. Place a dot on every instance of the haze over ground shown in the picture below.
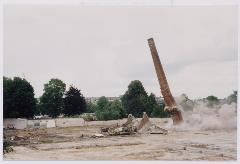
(101, 50)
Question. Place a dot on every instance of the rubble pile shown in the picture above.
(146, 126)
(130, 127)
(133, 126)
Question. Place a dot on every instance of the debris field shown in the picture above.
(133, 140)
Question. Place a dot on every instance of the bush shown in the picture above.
(91, 107)
(102, 102)
(158, 112)
(109, 110)
(106, 114)
(7, 146)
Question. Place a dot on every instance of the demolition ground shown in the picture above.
(88, 143)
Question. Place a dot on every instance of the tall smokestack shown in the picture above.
(171, 106)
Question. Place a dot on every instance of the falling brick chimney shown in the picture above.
(170, 104)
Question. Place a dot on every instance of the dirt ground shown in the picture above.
(76, 143)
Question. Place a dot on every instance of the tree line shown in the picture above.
(135, 101)
(19, 101)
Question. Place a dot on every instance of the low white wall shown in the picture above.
(15, 123)
(48, 123)
(18, 123)
(51, 123)
(68, 122)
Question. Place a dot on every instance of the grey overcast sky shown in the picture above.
(101, 50)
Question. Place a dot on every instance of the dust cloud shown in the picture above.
(203, 117)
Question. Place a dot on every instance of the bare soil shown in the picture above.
(76, 143)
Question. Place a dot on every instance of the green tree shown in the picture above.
(91, 107)
(51, 101)
(18, 98)
(74, 102)
(38, 108)
(135, 99)
(102, 102)
(158, 111)
(107, 114)
(154, 109)
(151, 103)
(109, 110)
(7, 98)
(116, 106)
(102, 112)
(212, 100)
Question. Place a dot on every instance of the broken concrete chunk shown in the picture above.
(131, 121)
(144, 121)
